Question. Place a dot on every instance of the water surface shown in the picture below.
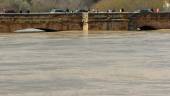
(81, 64)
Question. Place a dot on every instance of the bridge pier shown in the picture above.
(85, 20)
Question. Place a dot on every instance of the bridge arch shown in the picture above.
(47, 29)
(35, 30)
(146, 27)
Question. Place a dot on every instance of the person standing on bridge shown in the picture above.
(67, 10)
(152, 10)
(28, 11)
(157, 10)
(113, 10)
(20, 11)
(122, 10)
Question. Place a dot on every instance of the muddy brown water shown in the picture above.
(81, 64)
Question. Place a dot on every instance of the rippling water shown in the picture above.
(78, 64)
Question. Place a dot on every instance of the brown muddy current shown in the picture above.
(81, 64)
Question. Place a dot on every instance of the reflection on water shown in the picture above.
(78, 64)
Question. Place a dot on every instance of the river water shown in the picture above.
(81, 64)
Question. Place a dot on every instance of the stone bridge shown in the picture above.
(84, 21)
(129, 21)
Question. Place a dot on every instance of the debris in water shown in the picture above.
(30, 30)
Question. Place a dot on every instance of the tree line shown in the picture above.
(45, 5)
(129, 5)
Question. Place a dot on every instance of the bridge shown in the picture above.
(84, 21)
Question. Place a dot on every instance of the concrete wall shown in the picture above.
(108, 21)
(78, 21)
(128, 21)
(13, 22)
(155, 20)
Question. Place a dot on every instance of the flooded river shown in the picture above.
(79, 64)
